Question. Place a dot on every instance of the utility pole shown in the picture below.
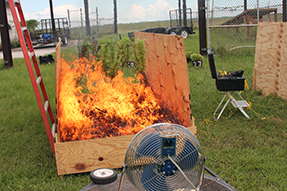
(88, 29)
(6, 46)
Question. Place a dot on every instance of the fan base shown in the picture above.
(210, 183)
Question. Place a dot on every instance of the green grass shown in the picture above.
(249, 154)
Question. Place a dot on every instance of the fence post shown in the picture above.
(115, 17)
(88, 30)
(6, 46)
(202, 27)
(284, 11)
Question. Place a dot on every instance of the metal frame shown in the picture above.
(236, 103)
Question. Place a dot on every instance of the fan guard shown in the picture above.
(164, 157)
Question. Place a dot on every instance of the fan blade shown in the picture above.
(153, 181)
(149, 146)
(188, 156)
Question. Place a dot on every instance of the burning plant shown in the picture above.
(92, 105)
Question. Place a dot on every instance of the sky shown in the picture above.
(128, 10)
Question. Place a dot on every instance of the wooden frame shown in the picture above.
(167, 74)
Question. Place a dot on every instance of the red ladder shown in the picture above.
(28, 54)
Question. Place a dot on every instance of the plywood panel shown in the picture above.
(57, 74)
(167, 72)
(85, 156)
(270, 59)
(283, 65)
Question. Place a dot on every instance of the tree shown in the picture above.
(32, 25)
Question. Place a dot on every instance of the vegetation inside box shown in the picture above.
(115, 54)
(104, 101)
(250, 154)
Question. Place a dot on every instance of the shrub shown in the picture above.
(195, 57)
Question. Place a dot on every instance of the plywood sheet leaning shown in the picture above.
(57, 71)
(270, 69)
(167, 72)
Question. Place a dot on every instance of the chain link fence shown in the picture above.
(98, 25)
(232, 25)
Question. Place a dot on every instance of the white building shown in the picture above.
(12, 29)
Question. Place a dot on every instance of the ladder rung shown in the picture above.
(31, 54)
(39, 79)
(46, 105)
(24, 28)
(53, 129)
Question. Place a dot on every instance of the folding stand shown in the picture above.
(236, 103)
(232, 82)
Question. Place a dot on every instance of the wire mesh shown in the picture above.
(232, 25)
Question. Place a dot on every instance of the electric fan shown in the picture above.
(164, 157)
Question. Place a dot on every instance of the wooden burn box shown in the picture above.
(167, 74)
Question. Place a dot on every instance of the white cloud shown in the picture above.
(59, 11)
(154, 12)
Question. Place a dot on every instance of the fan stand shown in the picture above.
(236, 103)
(211, 182)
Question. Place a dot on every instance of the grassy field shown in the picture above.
(249, 154)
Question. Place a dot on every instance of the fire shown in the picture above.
(92, 105)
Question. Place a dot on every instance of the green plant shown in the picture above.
(88, 47)
(110, 57)
(32, 24)
(125, 46)
(188, 53)
(115, 55)
(139, 52)
(195, 57)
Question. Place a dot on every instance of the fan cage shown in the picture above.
(143, 159)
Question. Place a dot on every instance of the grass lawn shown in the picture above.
(248, 154)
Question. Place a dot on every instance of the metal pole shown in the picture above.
(184, 13)
(88, 29)
(202, 27)
(6, 46)
(115, 17)
(284, 11)
(258, 12)
(97, 18)
(69, 18)
(52, 17)
(245, 5)
(208, 24)
(82, 24)
(179, 11)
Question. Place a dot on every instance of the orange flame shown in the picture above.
(108, 107)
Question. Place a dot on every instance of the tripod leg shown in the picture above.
(219, 107)
(244, 113)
